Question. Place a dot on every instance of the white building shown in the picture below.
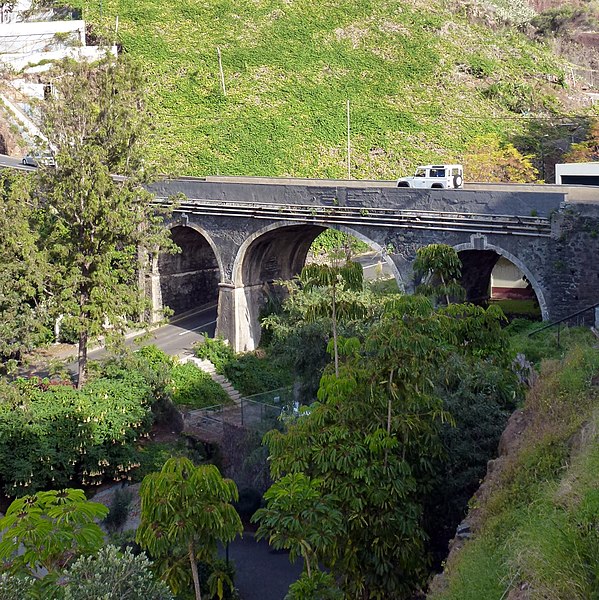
(14, 14)
(577, 173)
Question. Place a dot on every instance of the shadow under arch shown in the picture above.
(498, 251)
(300, 238)
(190, 278)
(277, 251)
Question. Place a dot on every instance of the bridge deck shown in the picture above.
(576, 193)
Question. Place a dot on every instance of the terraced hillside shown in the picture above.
(423, 80)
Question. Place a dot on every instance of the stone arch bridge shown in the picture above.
(238, 235)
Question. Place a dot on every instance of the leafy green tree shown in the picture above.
(588, 150)
(55, 436)
(337, 245)
(185, 511)
(299, 519)
(371, 443)
(51, 528)
(98, 226)
(24, 273)
(112, 575)
(440, 267)
(340, 301)
(321, 586)
(489, 159)
(16, 587)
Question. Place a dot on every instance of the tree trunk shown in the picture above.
(83, 338)
(446, 294)
(194, 572)
(335, 335)
(82, 360)
(389, 413)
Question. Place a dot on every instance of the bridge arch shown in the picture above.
(477, 248)
(191, 277)
(277, 251)
(307, 233)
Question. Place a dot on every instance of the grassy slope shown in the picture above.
(540, 527)
(289, 67)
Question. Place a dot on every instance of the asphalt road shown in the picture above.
(375, 267)
(260, 572)
(177, 337)
(13, 163)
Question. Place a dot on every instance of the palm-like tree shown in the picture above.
(185, 511)
(348, 277)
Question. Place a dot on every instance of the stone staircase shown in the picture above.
(208, 367)
(207, 425)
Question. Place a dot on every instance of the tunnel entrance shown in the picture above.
(490, 278)
(190, 278)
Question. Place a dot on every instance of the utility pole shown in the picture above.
(348, 144)
(220, 69)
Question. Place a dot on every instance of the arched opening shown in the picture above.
(493, 278)
(190, 278)
(275, 253)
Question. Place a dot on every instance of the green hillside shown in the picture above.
(423, 80)
(535, 521)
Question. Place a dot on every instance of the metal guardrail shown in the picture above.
(568, 318)
(377, 217)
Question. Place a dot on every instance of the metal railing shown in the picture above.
(330, 213)
(258, 408)
(569, 318)
(250, 412)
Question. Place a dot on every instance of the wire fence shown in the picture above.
(265, 406)
(210, 423)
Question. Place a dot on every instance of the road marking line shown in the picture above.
(196, 328)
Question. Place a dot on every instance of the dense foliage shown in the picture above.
(374, 447)
(107, 575)
(250, 373)
(43, 533)
(112, 575)
(194, 388)
(51, 436)
(24, 274)
(536, 523)
(337, 244)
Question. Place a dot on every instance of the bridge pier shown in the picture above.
(238, 319)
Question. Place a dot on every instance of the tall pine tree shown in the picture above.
(99, 224)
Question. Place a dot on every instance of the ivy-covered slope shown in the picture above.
(423, 80)
(536, 517)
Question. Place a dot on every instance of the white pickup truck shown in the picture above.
(435, 176)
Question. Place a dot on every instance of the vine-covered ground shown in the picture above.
(423, 80)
